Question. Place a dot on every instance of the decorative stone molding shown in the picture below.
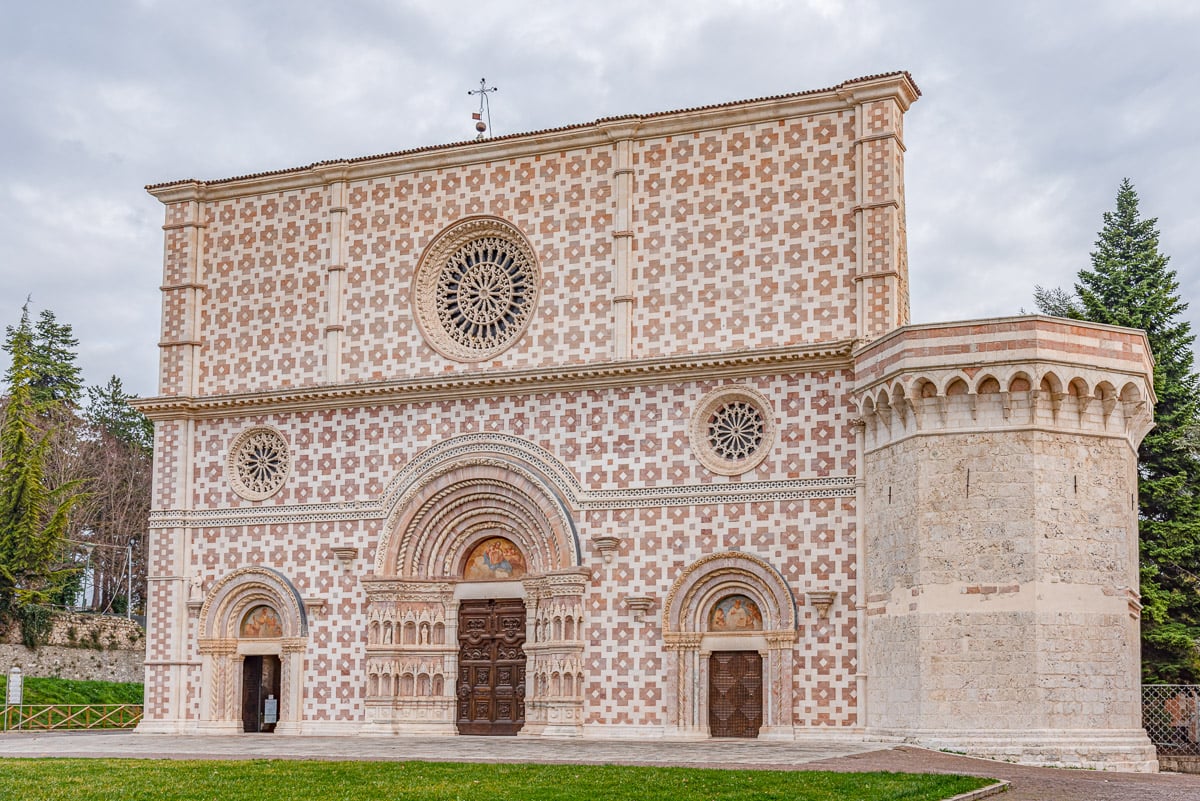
(732, 430)
(236, 592)
(624, 373)
(222, 650)
(822, 600)
(258, 464)
(411, 633)
(217, 646)
(462, 500)
(639, 605)
(686, 613)
(718, 574)
(607, 545)
(475, 289)
(1032, 372)
(897, 86)
(346, 554)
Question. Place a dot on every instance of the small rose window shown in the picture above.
(732, 430)
(259, 463)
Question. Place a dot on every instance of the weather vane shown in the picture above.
(484, 108)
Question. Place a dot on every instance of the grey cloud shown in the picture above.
(1032, 114)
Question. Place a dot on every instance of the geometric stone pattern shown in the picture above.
(609, 439)
(264, 287)
(756, 248)
(743, 236)
(345, 456)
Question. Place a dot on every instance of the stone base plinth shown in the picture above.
(1107, 749)
(413, 728)
(177, 727)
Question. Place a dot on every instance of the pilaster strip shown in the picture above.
(338, 189)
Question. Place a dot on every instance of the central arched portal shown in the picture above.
(474, 614)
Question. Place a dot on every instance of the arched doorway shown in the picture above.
(735, 675)
(474, 578)
(729, 629)
(252, 639)
(261, 672)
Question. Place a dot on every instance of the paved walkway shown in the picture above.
(1027, 784)
(457, 749)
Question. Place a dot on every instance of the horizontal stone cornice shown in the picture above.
(736, 364)
(1057, 431)
(1002, 341)
(952, 368)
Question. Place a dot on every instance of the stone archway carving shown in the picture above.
(414, 595)
(688, 641)
(222, 650)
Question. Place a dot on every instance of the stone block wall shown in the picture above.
(77, 664)
(80, 647)
(1001, 540)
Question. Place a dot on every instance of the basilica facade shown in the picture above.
(621, 429)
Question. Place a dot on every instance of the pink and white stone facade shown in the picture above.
(756, 247)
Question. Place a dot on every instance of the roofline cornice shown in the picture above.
(1027, 320)
(606, 375)
(898, 86)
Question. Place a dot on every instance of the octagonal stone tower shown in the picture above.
(1000, 538)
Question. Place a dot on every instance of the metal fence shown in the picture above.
(1171, 716)
(40, 717)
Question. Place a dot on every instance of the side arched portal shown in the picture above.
(704, 614)
(475, 532)
(253, 612)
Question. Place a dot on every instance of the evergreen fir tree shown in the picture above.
(1130, 285)
(33, 517)
(55, 380)
(108, 412)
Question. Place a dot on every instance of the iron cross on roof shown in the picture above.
(484, 107)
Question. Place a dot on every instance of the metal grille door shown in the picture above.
(735, 693)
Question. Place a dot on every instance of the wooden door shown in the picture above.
(491, 666)
(260, 684)
(252, 670)
(735, 693)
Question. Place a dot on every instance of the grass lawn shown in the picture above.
(147, 780)
(68, 691)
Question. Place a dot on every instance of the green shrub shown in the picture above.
(36, 621)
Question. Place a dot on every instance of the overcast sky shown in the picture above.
(1032, 114)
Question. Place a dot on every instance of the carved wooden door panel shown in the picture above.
(491, 666)
(735, 693)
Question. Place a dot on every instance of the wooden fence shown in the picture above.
(42, 717)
